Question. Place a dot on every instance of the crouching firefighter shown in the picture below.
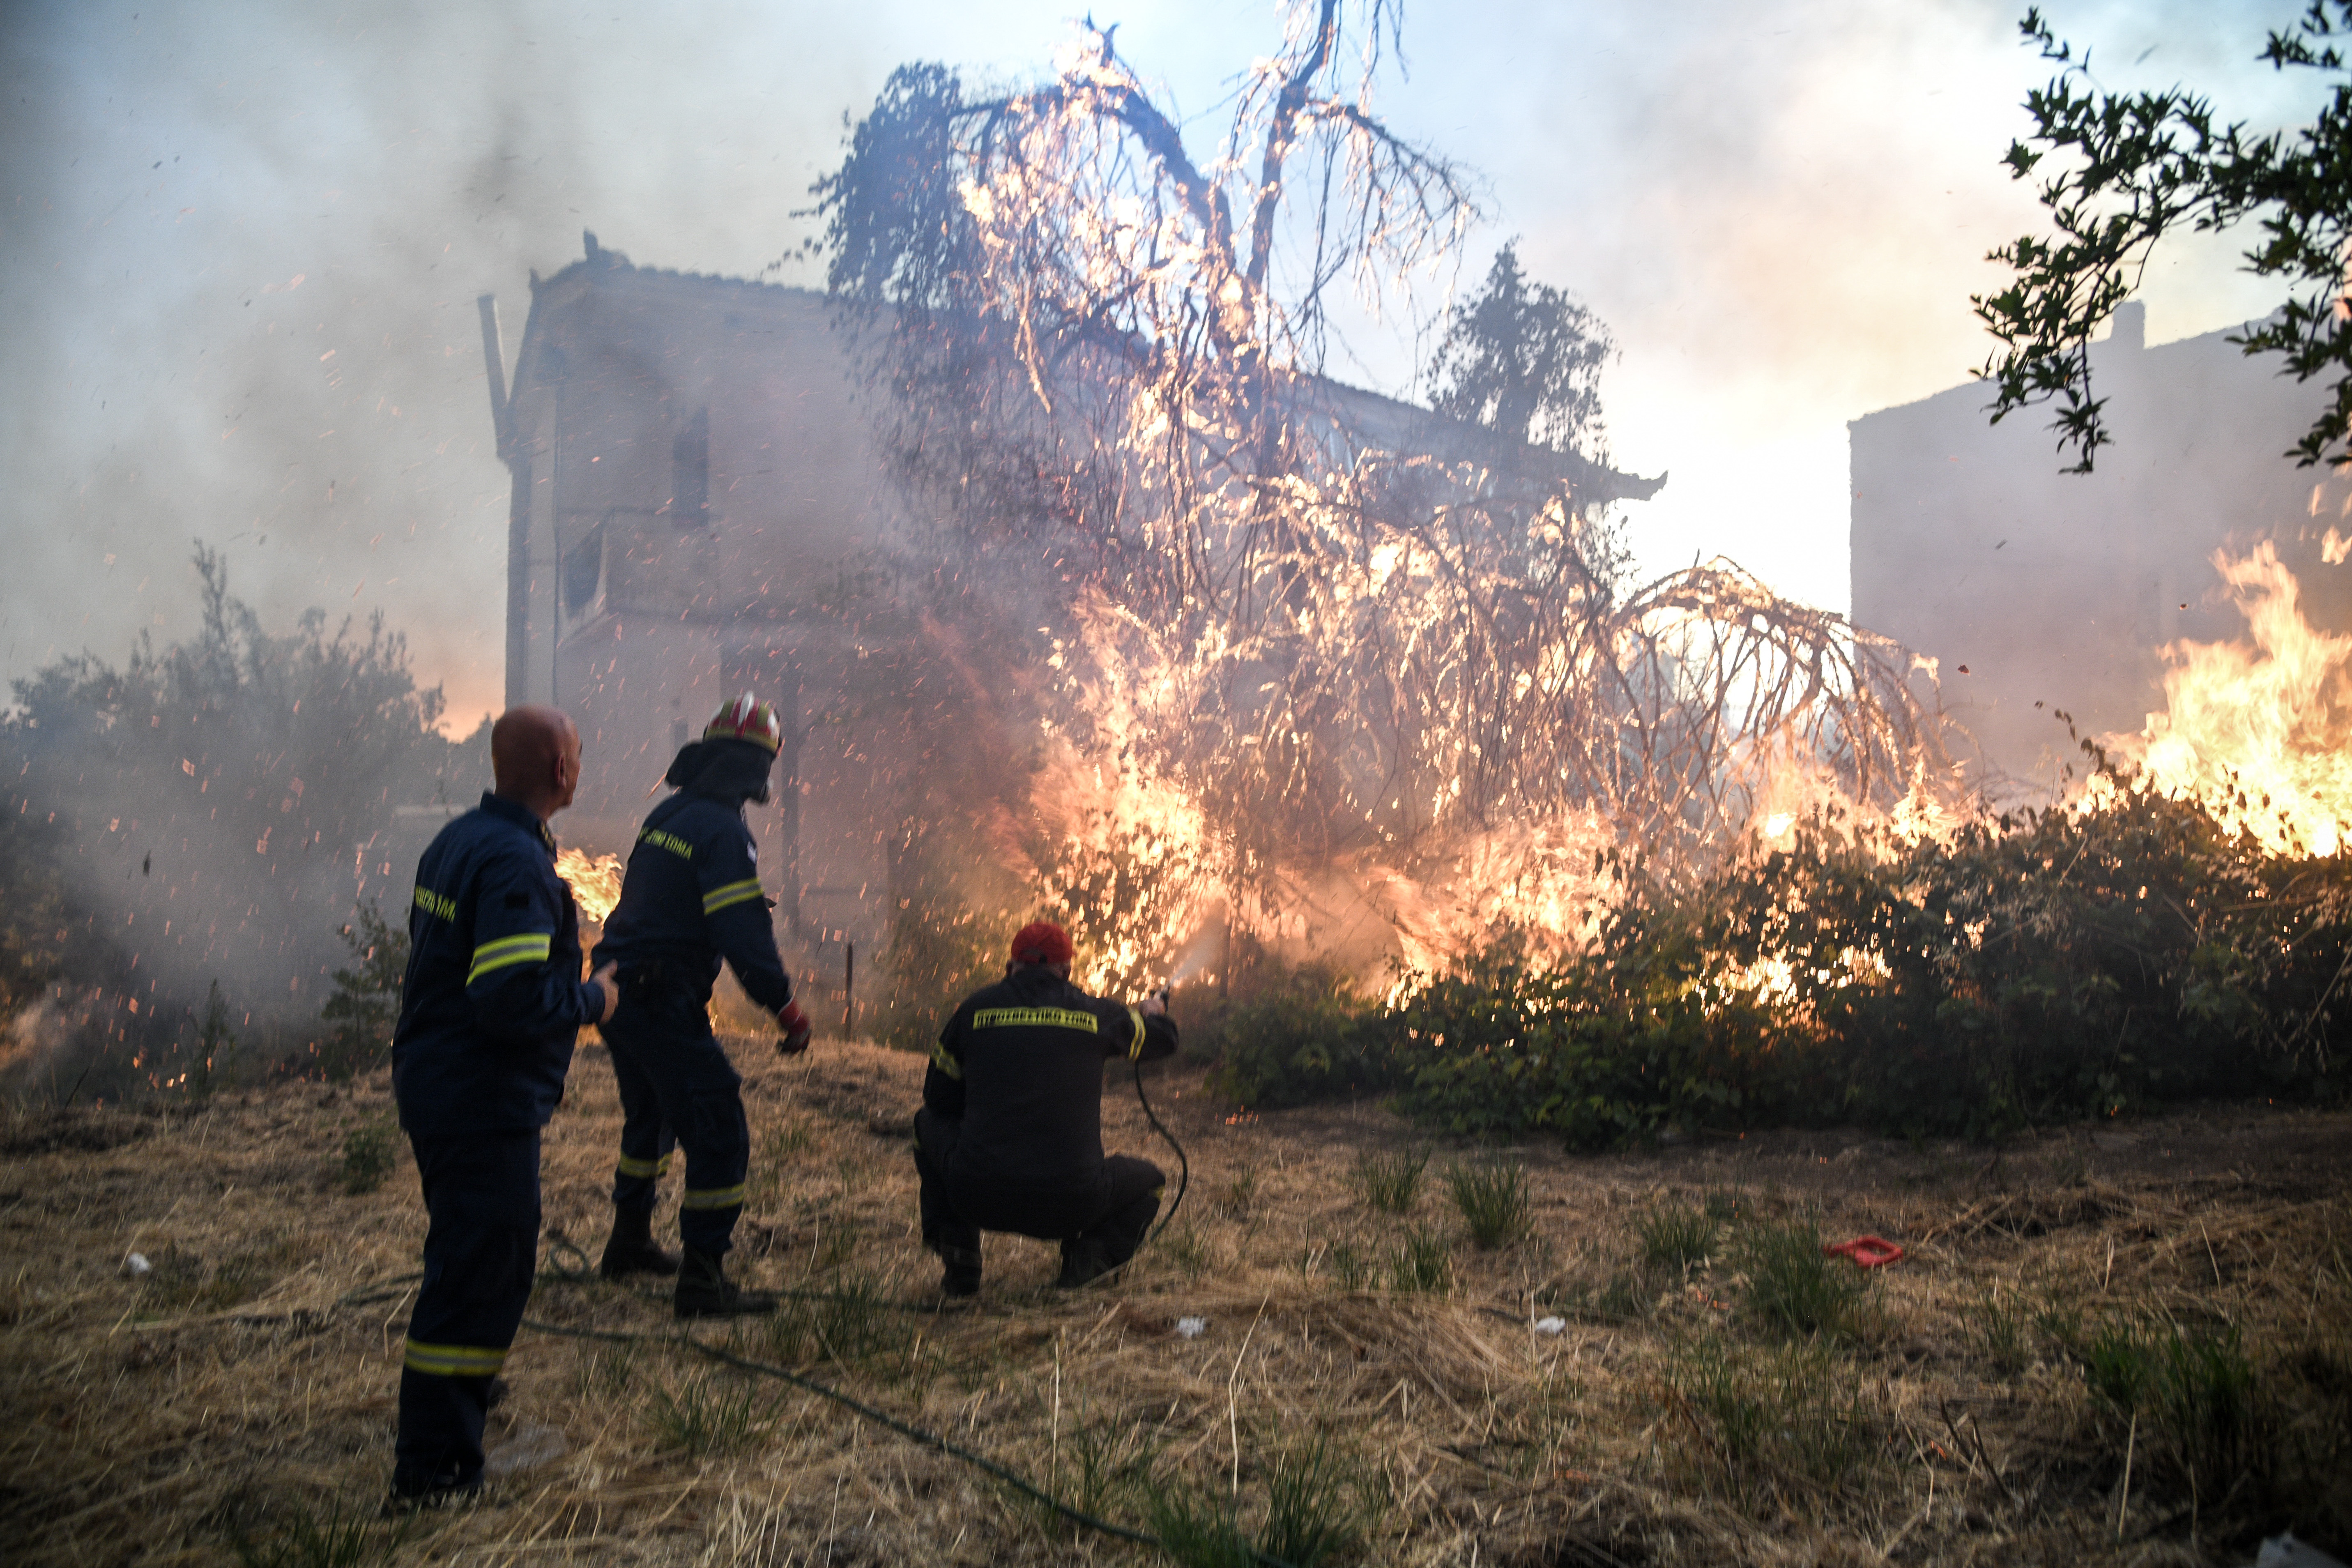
(1010, 1134)
(691, 898)
(490, 1006)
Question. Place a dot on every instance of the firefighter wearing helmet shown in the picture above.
(690, 899)
(1010, 1134)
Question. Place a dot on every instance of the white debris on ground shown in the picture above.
(136, 1266)
(1551, 1325)
(526, 1451)
(2286, 1551)
(1191, 1327)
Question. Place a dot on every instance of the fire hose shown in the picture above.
(1183, 1165)
(920, 1436)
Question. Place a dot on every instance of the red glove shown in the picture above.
(797, 1030)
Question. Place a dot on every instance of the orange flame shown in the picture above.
(595, 881)
(2255, 731)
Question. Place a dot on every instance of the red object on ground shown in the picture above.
(1867, 1251)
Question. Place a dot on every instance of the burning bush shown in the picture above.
(2048, 966)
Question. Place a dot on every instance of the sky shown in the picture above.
(240, 244)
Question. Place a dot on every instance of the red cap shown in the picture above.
(1042, 942)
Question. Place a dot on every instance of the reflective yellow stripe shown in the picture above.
(531, 947)
(1050, 1017)
(946, 1063)
(434, 903)
(669, 841)
(719, 899)
(455, 1360)
(630, 1166)
(712, 1197)
(1135, 1051)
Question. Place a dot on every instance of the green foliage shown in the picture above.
(2191, 1390)
(365, 1002)
(1797, 1288)
(1492, 1198)
(1392, 1178)
(1305, 1036)
(1314, 1512)
(2042, 966)
(1524, 361)
(2133, 167)
(1423, 1263)
(708, 1414)
(1676, 1236)
(1786, 1422)
(369, 1152)
(193, 813)
(1351, 1267)
(1312, 1505)
(336, 1536)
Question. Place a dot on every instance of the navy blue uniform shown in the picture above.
(690, 899)
(489, 1009)
(1010, 1135)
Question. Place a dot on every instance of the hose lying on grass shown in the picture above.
(386, 1290)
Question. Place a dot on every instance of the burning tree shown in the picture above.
(1349, 637)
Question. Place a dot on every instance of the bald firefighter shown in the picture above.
(490, 1006)
(689, 900)
(1010, 1134)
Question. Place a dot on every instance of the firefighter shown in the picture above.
(691, 898)
(490, 1007)
(1010, 1134)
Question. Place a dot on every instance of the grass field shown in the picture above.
(2130, 1343)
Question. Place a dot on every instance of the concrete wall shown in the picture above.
(1970, 546)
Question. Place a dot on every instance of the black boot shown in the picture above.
(1083, 1263)
(631, 1249)
(705, 1292)
(963, 1275)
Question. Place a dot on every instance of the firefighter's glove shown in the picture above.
(797, 1030)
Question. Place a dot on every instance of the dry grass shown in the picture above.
(246, 1387)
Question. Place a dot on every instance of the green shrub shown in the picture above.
(1788, 1421)
(1797, 1288)
(1423, 1263)
(370, 1150)
(335, 1536)
(1675, 1235)
(707, 1414)
(1306, 1036)
(1392, 1178)
(1492, 1198)
(2035, 968)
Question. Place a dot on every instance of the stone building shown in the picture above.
(698, 509)
(2038, 590)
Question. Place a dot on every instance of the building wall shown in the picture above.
(1970, 546)
(703, 501)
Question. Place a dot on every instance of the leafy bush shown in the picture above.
(1306, 1036)
(2040, 966)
